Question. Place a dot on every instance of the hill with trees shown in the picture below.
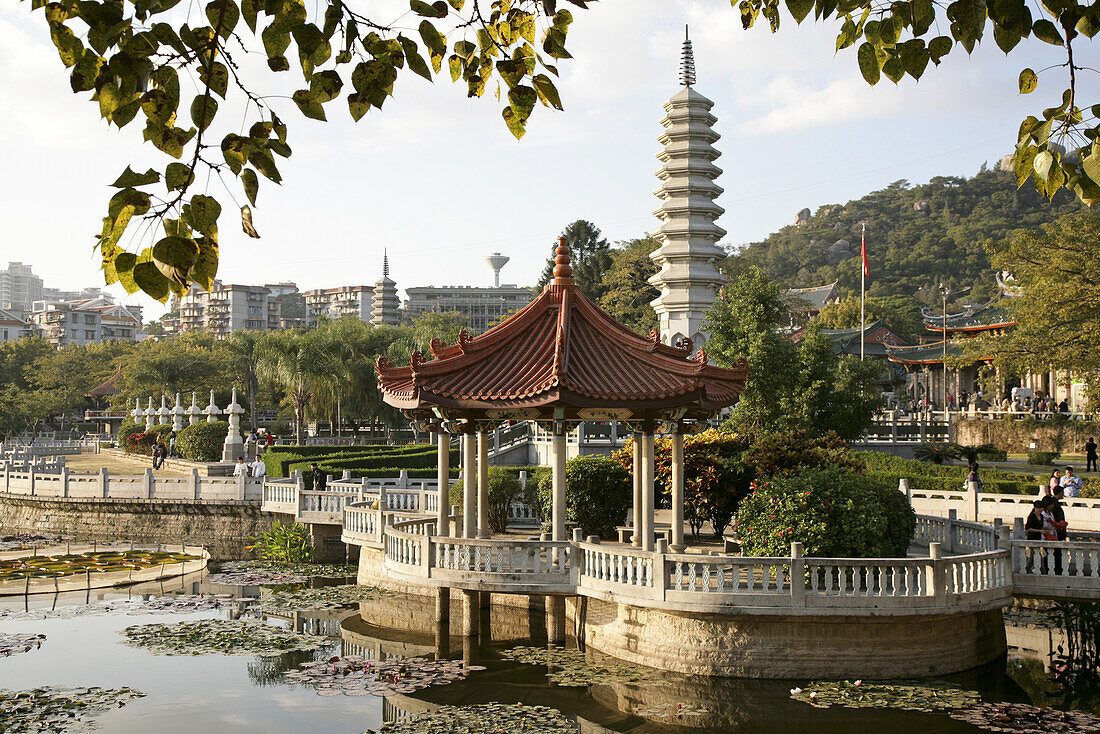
(917, 236)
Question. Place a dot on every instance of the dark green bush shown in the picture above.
(834, 515)
(284, 543)
(1041, 458)
(202, 441)
(127, 430)
(504, 489)
(598, 494)
(281, 461)
(992, 454)
(139, 443)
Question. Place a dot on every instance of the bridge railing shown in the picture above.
(148, 486)
(1056, 568)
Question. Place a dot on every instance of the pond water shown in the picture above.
(231, 693)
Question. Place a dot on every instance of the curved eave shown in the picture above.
(968, 329)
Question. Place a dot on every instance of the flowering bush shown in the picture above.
(833, 515)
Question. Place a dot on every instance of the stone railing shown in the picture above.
(954, 535)
(148, 486)
(1081, 513)
(362, 524)
(1056, 568)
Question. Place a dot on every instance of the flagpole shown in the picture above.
(862, 291)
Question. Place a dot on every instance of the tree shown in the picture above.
(892, 43)
(1057, 311)
(900, 313)
(298, 361)
(152, 62)
(589, 256)
(626, 289)
(799, 387)
(245, 351)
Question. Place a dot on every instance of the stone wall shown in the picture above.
(796, 646)
(1015, 436)
(222, 528)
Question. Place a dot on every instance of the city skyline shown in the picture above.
(799, 129)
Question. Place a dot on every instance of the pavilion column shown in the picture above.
(469, 485)
(677, 480)
(636, 538)
(557, 447)
(443, 476)
(483, 485)
(647, 491)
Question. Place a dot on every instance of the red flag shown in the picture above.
(863, 252)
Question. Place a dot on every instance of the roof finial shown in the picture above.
(385, 263)
(563, 272)
(687, 62)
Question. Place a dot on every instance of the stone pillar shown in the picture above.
(442, 603)
(471, 611)
(147, 481)
(555, 619)
(212, 411)
(483, 485)
(558, 485)
(469, 486)
(163, 412)
(677, 477)
(104, 482)
(443, 476)
(647, 492)
(233, 448)
(196, 486)
(150, 414)
(636, 510)
(177, 415)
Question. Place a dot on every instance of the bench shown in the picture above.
(660, 530)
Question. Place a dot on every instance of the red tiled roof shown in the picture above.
(108, 388)
(560, 350)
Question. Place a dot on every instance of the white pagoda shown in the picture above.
(385, 303)
(688, 257)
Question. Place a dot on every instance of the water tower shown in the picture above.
(497, 261)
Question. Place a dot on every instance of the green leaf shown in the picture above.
(1046, 32)
(250, 10)
(924, 15)
(278, 63)
(415, 60)
(251, 184)
(325, 86)
(265, 164)
(276, 41)
(1028, 81)
(217, 76)
(914, 57)
(435, 10)
(130, 178)
(309, 106)
(313, 48)
(358, 105)
(1042, 164)
(178, 176)
(235, 150)
(939, 47)
(893, 70)
(148, 278)
(223, 16)
(203, 109)
(174, 257)
(868, 63)
(202, 214)
(1006, 39)
(799, 9)
(547, 92)
(86, 71)
(124, 264)
(206, 263)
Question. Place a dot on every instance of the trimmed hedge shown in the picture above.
(599, 494)
(922, 475)
(1041, 458)
(202, 441)
(281, 461)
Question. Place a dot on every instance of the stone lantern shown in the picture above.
(234, 446)
(150, 414)
(212, 411)
(193, 412)
(163, 412)
(177, 415)
(137, 412)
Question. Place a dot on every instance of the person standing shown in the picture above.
(172, 445)
(1090, 454)
(1058, 516)
(320, 480)
(258, 468)
(1048, 490)
(1071, 483)
(240, 469)
(156, 454)
(269, 440)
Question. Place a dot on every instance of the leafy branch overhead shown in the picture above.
(1059, 149)
(144, 60)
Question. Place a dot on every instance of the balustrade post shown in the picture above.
(427, 556)
(1004, 538)
(7, 477)
(346, 475)
(937, 578)
(64, 481)
(660, 571)
(383, 498)
(148, 483)
(798, 577)
(30, 476)
(242, 484)
(104, 482)
(972, 500)
(1018, 528)
(950, 531)
(903, 486)
(403, 479)
(196, 484)
(363, 489)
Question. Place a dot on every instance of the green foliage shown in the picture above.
(139, 443)
(590, 258)
(598, 495)
(833, 514)
(132, 65)
(202, 441)
(127, 430)
(908, 248)
(790, 386)
(988, 452)
(504, 489)
(937, 452)
(281, 461)
(902, 40)
(901, 313)
(928, 476)
(287, 543)
(1041, 458)
(626, 289)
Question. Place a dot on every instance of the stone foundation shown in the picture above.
(796, 646)
(222, 528)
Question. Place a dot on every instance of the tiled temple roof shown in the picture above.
(923, 353)
(988, 316)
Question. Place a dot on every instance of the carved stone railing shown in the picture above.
(1056, 568)
(65, 484)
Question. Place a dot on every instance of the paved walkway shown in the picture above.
(85, 463)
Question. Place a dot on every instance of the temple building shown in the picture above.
(688, 256)
(385, 303)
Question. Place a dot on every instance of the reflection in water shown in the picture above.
(1059, 661)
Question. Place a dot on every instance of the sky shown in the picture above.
(438, 182)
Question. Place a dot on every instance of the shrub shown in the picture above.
(140, 443)
(992, 454)
(284, 543)
(937, 452)
(202, 441)
(127, 430)
(504, 489)
(833, 514)
(1041, 458)
(598, 494)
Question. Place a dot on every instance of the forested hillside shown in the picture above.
(917, 236)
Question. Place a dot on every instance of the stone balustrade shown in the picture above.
(1081, 513)
(1056, 568)
(147, 486)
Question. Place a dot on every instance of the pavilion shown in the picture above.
(558, 361)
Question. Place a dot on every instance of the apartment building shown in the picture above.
(87, 321)
(14, 326)
(335, 303)
(482, 307)
(229, 307)
(19, 288)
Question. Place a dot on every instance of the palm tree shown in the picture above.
(245, 351)
(298, 361)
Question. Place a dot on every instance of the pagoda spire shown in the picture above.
(688, 256)
(385, 303)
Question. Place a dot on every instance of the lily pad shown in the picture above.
(60, 566)
(1021, 718)
(13, 644)
(265, 573)
(354, 676)
(483, 719)
(926, 696)
(58, 709)
(324, 598)
(219, 637)
(576, 669)
(175, 604)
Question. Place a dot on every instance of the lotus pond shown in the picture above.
(72, 564)
(275, 656)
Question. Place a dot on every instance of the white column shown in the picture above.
(558, 485)
(443, 476)
(483, 485)
(647, 492)
(636, 539)
(469, 485)
(677, 478)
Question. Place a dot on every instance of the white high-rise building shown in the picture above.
(19, 288)
(688, 257)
